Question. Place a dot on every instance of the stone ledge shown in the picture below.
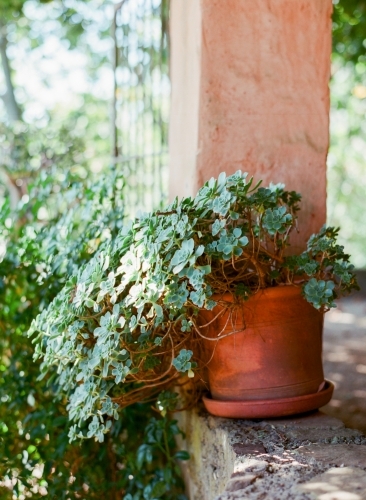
(273, 459)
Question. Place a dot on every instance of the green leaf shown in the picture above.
(158, 310)
(159, 489)
(144, 455)
(234, 215)
(182, 455)
(182, 361)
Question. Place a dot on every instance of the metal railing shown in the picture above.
(141, 100)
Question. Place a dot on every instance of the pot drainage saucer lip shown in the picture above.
(269, 408)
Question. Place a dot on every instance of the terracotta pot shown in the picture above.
(276, 352)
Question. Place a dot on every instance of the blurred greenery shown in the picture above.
(62, 217)
(349, 36)
(347, 154)
(60, 199)
(59, 57)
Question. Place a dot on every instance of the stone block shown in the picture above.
(321, 435)
(352, 455)
(318, 420)
(248, 449)
(344, 483)
(243, 459)
(249, 465)
(239, 482)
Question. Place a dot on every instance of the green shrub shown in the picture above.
(59, 222)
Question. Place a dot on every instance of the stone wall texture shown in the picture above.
(299, 458)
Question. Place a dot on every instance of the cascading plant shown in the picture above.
(124, 328)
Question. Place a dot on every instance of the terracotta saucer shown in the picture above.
(269, 408)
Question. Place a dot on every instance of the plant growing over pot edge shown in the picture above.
(124, 327)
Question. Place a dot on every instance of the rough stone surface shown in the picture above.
(346, 483)
(248, 449)
(249, 465)
(340, 454)
(322, 435)
(266, 459)
(317, 420)
(240, 481)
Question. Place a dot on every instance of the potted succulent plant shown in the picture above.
(158, 302)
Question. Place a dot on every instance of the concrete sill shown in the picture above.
(295, 458)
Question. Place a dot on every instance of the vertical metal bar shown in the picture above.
(139, 136)
(114, 98)
(114, 128)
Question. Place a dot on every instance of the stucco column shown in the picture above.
(250, 91)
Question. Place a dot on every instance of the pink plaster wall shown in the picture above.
(264, 96)
(185, 72)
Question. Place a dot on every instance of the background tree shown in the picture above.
(57, 207)
(349, 20)
(346, 160)
(61, 220)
